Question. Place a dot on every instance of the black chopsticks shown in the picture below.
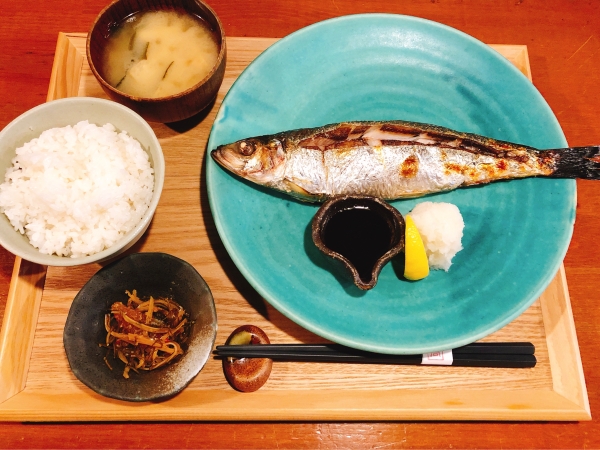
(479, 354)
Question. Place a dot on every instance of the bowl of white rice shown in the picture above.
(80, 180)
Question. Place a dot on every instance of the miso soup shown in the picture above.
(159, 53)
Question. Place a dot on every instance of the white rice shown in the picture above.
(77, 190)
(441, 228)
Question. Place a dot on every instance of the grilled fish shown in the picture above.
(392, 160)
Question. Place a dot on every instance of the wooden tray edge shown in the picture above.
(20, 319)
(516, 54)
(27, 281)
(567, 401)
(396, 405)
(563, 349)
(66, 69)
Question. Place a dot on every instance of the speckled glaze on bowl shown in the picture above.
(390, 215)
(156, 274)
(69, 111)
(172, 108)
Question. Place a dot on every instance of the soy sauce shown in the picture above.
(359, 234)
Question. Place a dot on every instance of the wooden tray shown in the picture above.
(36, 383)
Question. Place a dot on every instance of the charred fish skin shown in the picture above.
(392, 160)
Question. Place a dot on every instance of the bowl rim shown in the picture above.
(220, 58)
(158, 165)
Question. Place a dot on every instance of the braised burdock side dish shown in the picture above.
(146, 334)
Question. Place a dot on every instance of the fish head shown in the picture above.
(261, 160)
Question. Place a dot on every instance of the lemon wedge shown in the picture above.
(416, 265)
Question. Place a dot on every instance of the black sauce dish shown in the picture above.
(362, 232)
(150, 274)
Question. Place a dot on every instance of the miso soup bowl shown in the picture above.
(171, 108)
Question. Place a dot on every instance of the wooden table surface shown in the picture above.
(563, 40)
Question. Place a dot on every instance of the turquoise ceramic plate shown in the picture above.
(378, 67)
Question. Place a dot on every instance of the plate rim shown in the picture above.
(264, 291)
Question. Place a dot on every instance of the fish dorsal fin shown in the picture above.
(319, 142)
(372, 142)
(378, 133)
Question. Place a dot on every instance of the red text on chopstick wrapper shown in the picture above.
(443, 358)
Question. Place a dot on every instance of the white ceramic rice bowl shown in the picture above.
(69, 111)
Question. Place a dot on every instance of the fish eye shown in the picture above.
(246, 148)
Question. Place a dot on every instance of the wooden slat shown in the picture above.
(18, 326)
(553, 390)
(334, 405)
(567, 371)
(517, 54)
(66, 70)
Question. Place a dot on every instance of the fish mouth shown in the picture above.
(228, 158)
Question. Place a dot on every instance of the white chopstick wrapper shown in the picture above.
(443, 358)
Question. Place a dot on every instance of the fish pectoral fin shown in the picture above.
(293, 187)
(299, 192)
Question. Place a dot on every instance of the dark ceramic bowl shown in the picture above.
(362, 232)
(151, 274)
(168, 109)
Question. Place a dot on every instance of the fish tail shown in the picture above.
(577, 162)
